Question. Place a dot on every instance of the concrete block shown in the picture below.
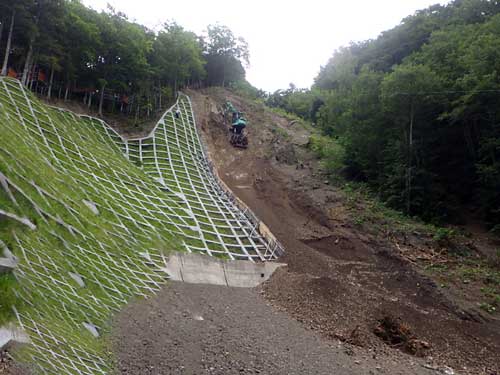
(78, 279)
(91, 206)
(203, 269)
(92, 329)
(7, 265)
(10, 334)
(244, 274)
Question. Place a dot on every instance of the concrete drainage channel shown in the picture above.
(10, 334)
(93, 220)
(200, 269)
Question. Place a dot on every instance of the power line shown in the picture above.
(446, 92)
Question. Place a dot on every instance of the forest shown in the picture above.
(63, 49)
(417, 112)
(414, 113)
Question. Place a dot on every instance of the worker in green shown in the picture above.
(239, 124)
(229, 108)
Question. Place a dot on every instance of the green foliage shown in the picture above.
(111, 61)
(488, 307)
(330, 151)
(176, 57)
(280, 132)
(416, 111)
(8, 286)
(376, 216)
(301, 102)
(225, 54)
(444, 236)
(245, 89)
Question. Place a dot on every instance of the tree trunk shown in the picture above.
(101, 101)
(223, 73)
(30, 82)
(410, 157)
(159, 99)
(51, 80)
(1, 30)
(66, 93)
(27, 64)
(9, 42)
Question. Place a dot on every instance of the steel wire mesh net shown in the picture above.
(91, 218)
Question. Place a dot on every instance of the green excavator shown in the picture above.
(238, 137)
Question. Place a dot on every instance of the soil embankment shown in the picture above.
(341, 281)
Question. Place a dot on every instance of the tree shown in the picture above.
(407, 95)
(176, 56)
(226, 55)
(417, 110)
(9, 42)
(18, 14)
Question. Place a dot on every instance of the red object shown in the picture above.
(12, 73)
(41, 76)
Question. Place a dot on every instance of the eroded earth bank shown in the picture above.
(354, 299)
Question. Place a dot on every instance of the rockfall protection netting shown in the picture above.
(92, 217)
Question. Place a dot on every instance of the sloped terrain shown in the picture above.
(209, 329)
(91, 217)
(351, 265)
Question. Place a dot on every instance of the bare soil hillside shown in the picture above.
(382, 286)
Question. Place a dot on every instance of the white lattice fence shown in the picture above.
(92, 216)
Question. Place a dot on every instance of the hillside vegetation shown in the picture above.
(416, 111)
(64, 49)
(91, 218)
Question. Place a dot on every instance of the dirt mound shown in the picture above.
(399, 335)
(340, 246)
(287, 155)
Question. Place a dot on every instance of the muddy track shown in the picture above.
(340, 280)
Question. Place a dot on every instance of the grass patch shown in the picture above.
(116, 252)
(331, 153)
(8, 286)
(367, 209)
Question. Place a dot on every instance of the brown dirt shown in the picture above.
(206, 329)
(9, 367)
(342, 278)
(398, 334)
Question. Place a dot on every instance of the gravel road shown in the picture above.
(205, 329)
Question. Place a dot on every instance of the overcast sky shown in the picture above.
(289, 40)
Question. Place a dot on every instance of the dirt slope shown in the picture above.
(342, 280)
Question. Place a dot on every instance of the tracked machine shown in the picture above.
(237, 134)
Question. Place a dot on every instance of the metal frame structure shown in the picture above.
(88, 248)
